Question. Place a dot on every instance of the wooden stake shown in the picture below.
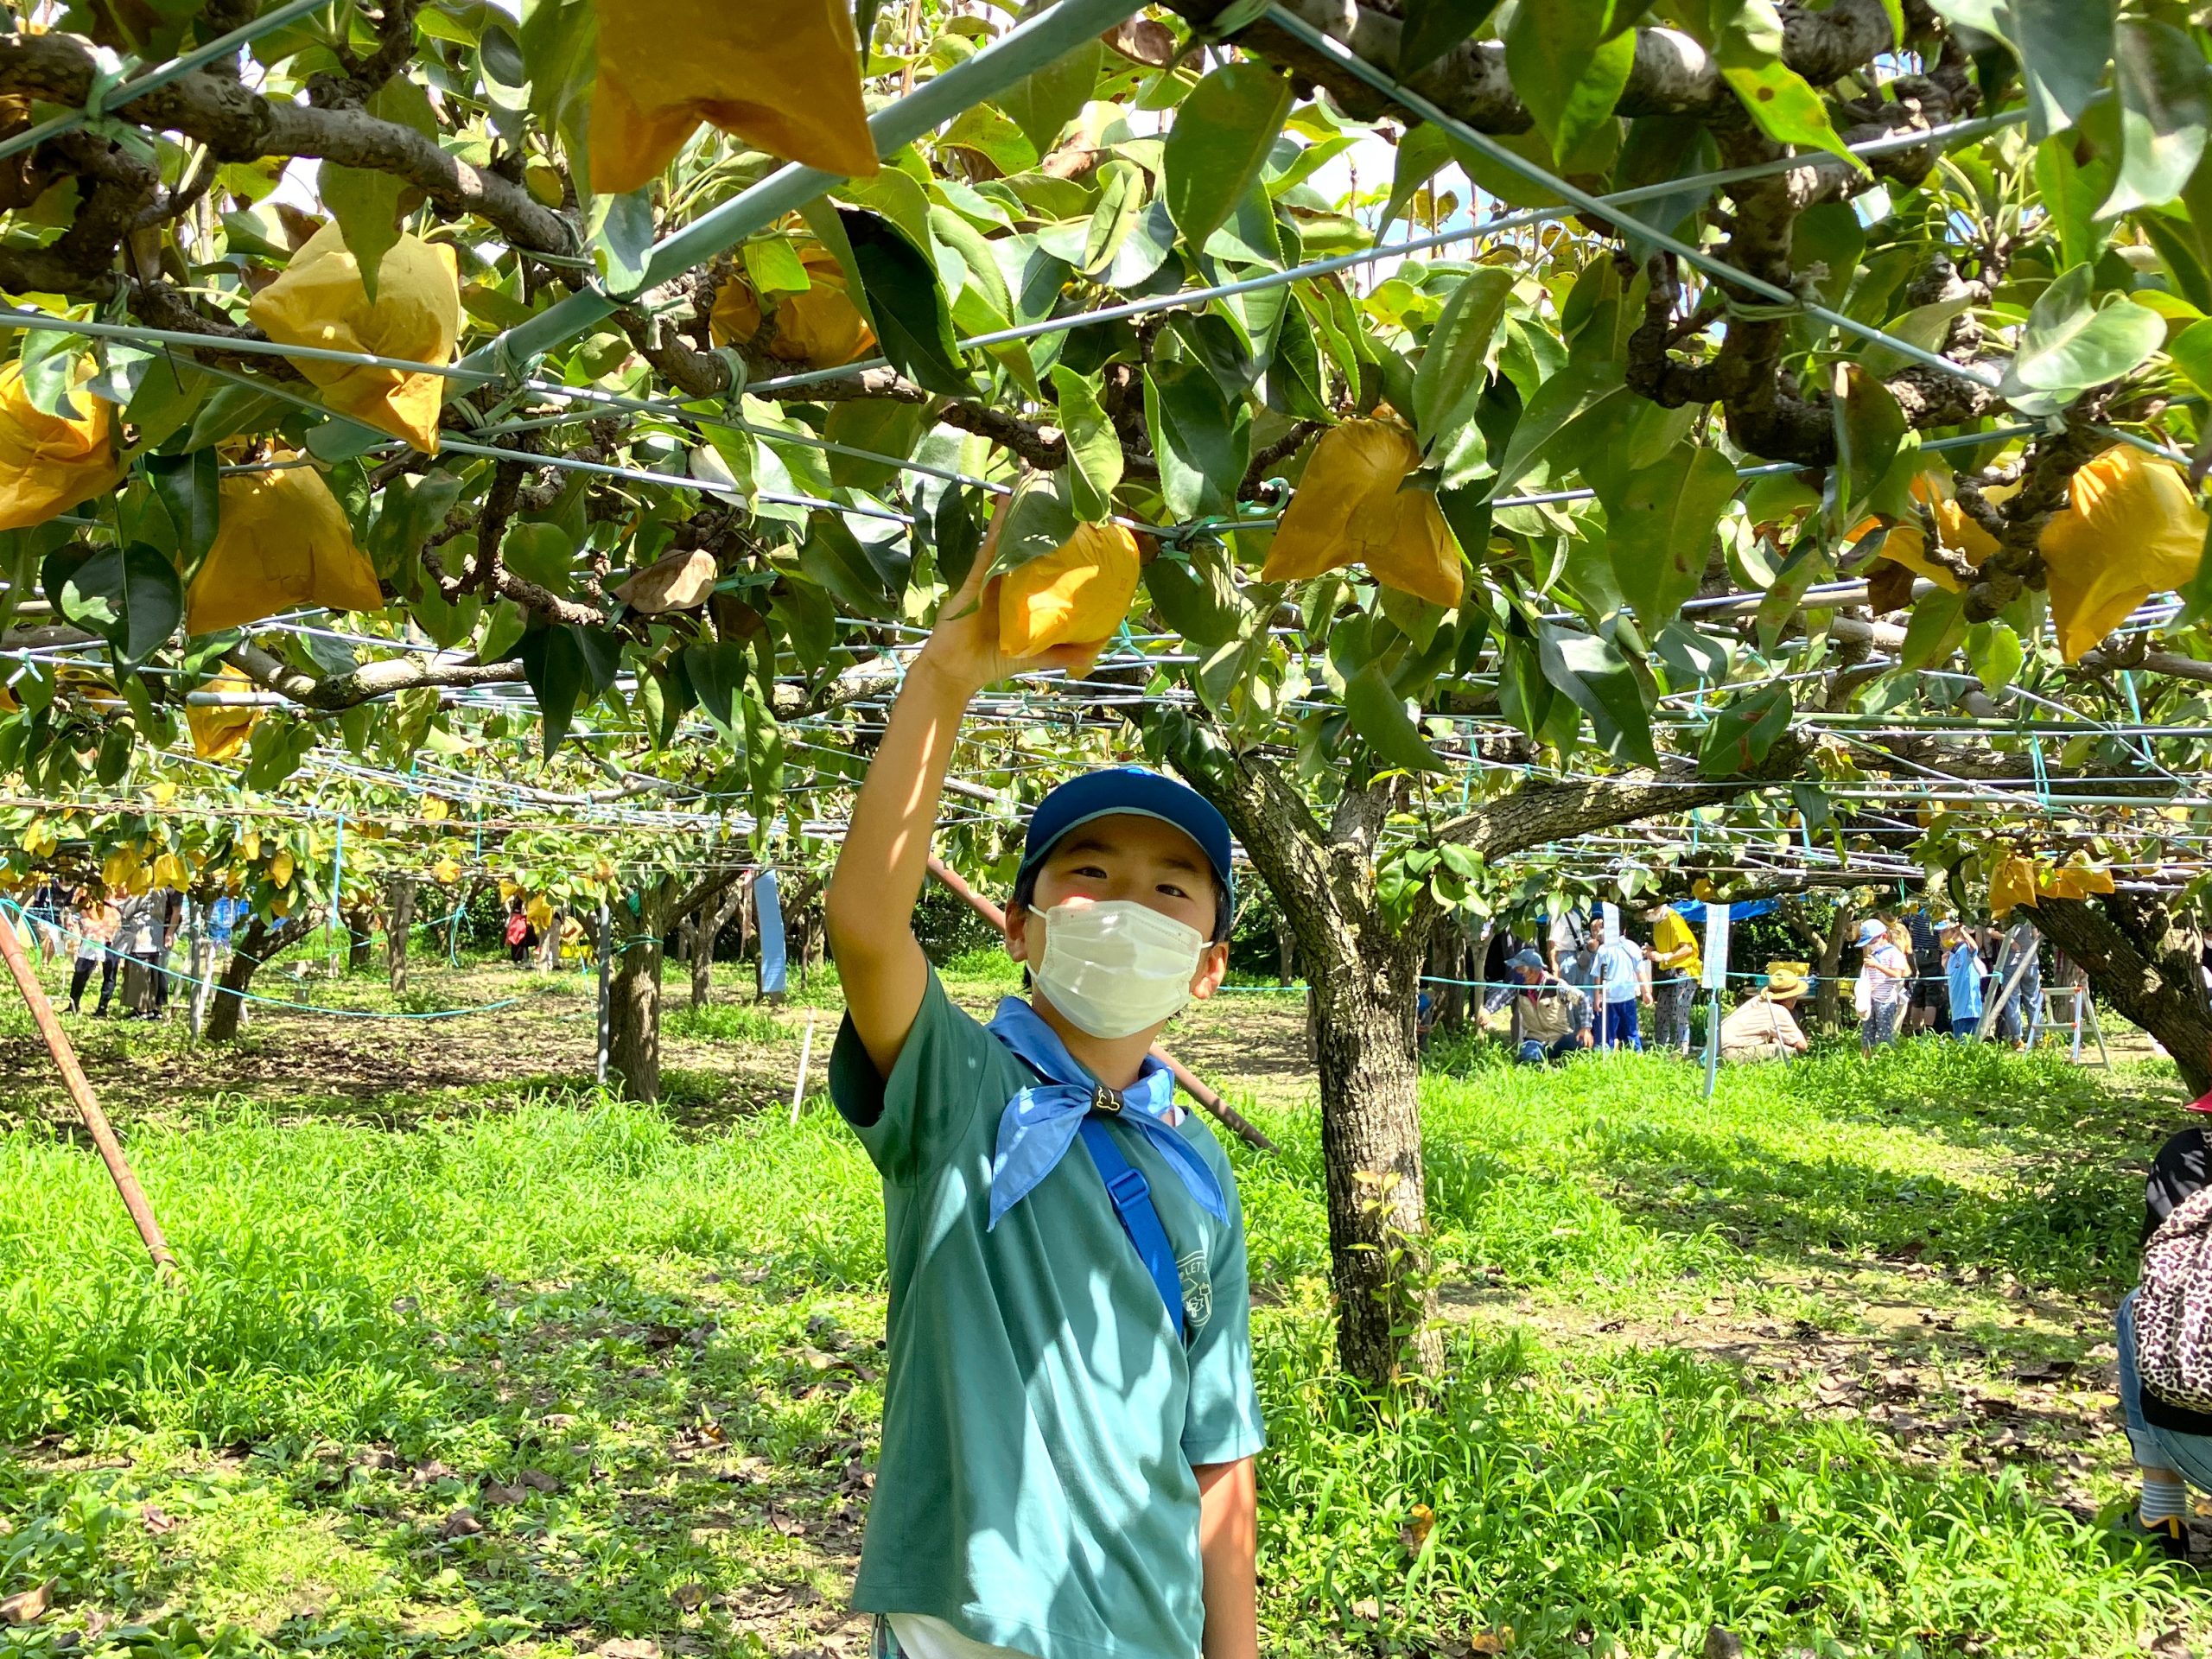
(1228, 1116)
(805, 1054)
(80, 1092)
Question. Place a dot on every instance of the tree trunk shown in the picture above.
(361, 937)
(1285, 952)
(399, 919)
(1828, 999)
(2143, 964)
(1371, 1158)
(707, 930)
(634, 993)
(252, 948)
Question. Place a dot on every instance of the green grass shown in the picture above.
(672, 1332)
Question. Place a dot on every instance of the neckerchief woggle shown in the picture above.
(1040, 1122)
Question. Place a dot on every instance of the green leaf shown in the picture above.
(554, 664)
(622, 237)
(1601, 682)
(875, 424)
(1378, 715)
(1094, 447)
(1568, 66)
(1198, 598)
(2164, 112)
(1295, 384)
(1869, 429)
(1454, 364)
(503, 631)
(232, 408)
(48, 362)
(2063, 46)
(1421, 152)
(187, 487)
(2191, 351)
(2072, 192)
(1558, 401)
(1782, 102)
(560, 49)
(913, 324)
(1434, 26)
(1202, 445)
(1659, 526)
(1938, 624)
(1224, 129)
(131, 596)
(2071, 343)
(1743, 734)
(1046, 101)
(956, 532)
(716, 670)
(366, 203)
(539, 552)
(1994, 652)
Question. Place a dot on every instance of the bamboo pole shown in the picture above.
(80, 1092)
(1184, 1080)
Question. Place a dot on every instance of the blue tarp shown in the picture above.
(1693, 910)
(772, 933)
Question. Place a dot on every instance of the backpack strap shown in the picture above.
(1132, 1197)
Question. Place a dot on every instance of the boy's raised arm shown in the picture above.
(869, 909)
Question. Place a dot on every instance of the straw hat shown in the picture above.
(1787, 978)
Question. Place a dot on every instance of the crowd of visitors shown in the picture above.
(1588, 987)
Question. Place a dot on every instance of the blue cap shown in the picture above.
(1129, 789)
(1524, 959)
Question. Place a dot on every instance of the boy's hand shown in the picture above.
(964, 646)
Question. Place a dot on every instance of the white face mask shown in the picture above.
(1116, 967)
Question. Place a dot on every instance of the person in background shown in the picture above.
(1764, 1025)
(1566, 934)
(2172, 1445)
(1621, 982)
(172, 924)
(517, 934)
(96, 924)
(1551, 1018)
(49, 903)
(1887, 970)
(1963, 969)
(1675, 969)
(2024, 1010)
(1928, 1004)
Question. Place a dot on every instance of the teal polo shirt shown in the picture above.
(1040, 1418)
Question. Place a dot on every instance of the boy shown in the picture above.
(1619, 983)
(1963, 969)
(1069, 1419)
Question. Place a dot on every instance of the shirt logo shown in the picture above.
(1198, 1292)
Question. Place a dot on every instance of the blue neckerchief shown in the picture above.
(1040, 1124)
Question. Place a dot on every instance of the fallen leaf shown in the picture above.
(28, 1606)
(504, 1497)
(1415, 1532)
(462, 1523)
(1496, 1641)
(687, 1597)
(630, 1646)
(156, 1522)
(538, 1481)
(1367, 1608)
